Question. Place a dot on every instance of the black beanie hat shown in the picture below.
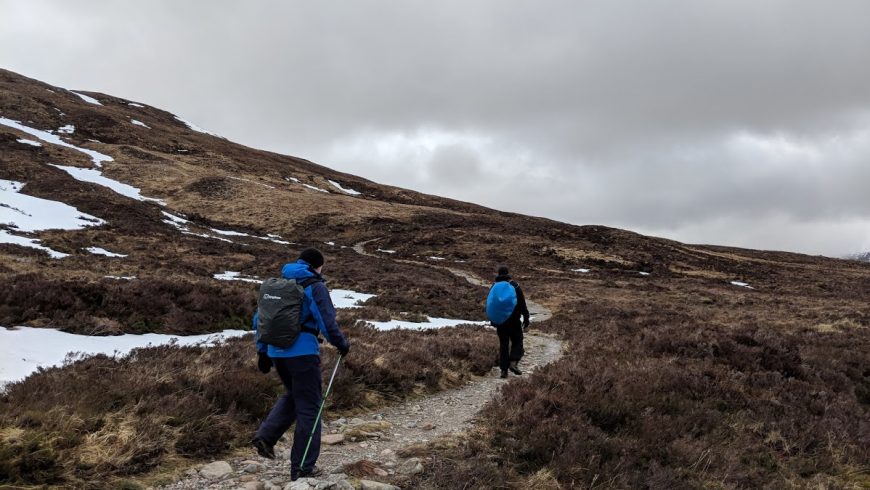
(502, 270)
(312, 256)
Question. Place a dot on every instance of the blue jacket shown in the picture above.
(317, 313)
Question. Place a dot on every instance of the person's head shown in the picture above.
(502, 270)
(313, 257)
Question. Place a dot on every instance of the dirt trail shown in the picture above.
(379, 435)
(537, 311)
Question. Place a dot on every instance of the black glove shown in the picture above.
(526, 325)
(344, 349)
(264, 362)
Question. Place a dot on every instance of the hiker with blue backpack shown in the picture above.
(292, 312)
(505, 305)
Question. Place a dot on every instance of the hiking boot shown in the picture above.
(312, 472)
(503, 373)
(514, 369)
(264, 449)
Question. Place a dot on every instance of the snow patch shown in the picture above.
(139, 123)
(88, 99)
(122, 278)
(331, 244)
(29, 213)
(582, 271)
(136, 105)
(741, 284)
(6, 237)
(97, 157)
(29, 142)
(318, 189)
(24, 349)
(643, 273)
(429, 324)
(436, 258)
(343, 189)
(235, 276)
(345, 298)
(291, 179)
(96, 177)
(102, 251)
(68, 129)
(386, 251)
(195, 127)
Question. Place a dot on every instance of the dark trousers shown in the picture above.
(510, 343)
(301, 378)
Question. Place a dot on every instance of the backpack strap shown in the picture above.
(308, 281)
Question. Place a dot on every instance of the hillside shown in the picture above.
(687, 365)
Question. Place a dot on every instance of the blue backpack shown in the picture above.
(501, 302)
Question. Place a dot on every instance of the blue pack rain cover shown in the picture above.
(501, 302)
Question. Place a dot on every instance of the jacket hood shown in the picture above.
(297, 270)
(502, 277)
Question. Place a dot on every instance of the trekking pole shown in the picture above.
(319, 412)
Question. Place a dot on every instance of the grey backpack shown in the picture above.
(279, 307)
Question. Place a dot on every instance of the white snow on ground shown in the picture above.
(332, 244)
(24, 349)
(230, 233)
(436, 258)
(181, 225)
(741, 284)
(386, 251)
(432, 323)
(139, 123)
(342, 189)
(643, 273)
(345, 298)
(87, 99)
(176, 221)
(136, 105)
(29, 142)
(236, 276)
(97, 157)
(318, 189)
(97, 177)
(102, 251)
(270, 238)
(123, 278)
(252, 182)
(584, 271)
(294, 179)
(6, 237)
(68, 129)
(29, 213)
(195, 127)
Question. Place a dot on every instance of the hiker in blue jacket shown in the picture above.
(510, 333)
(298, 366)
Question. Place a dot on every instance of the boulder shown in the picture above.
(376, 485)
(332, 439)
(216, 470)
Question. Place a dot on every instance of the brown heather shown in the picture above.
(98, 420)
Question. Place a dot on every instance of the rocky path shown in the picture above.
(375, 439)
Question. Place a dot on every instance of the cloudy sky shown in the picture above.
(737, 122)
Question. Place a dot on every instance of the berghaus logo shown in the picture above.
(269, 296)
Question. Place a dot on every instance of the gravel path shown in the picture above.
(376, 436)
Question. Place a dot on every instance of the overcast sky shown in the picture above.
(730, 122)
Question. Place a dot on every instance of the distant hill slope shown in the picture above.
(181, 205)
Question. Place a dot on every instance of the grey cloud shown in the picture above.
(622, 113)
